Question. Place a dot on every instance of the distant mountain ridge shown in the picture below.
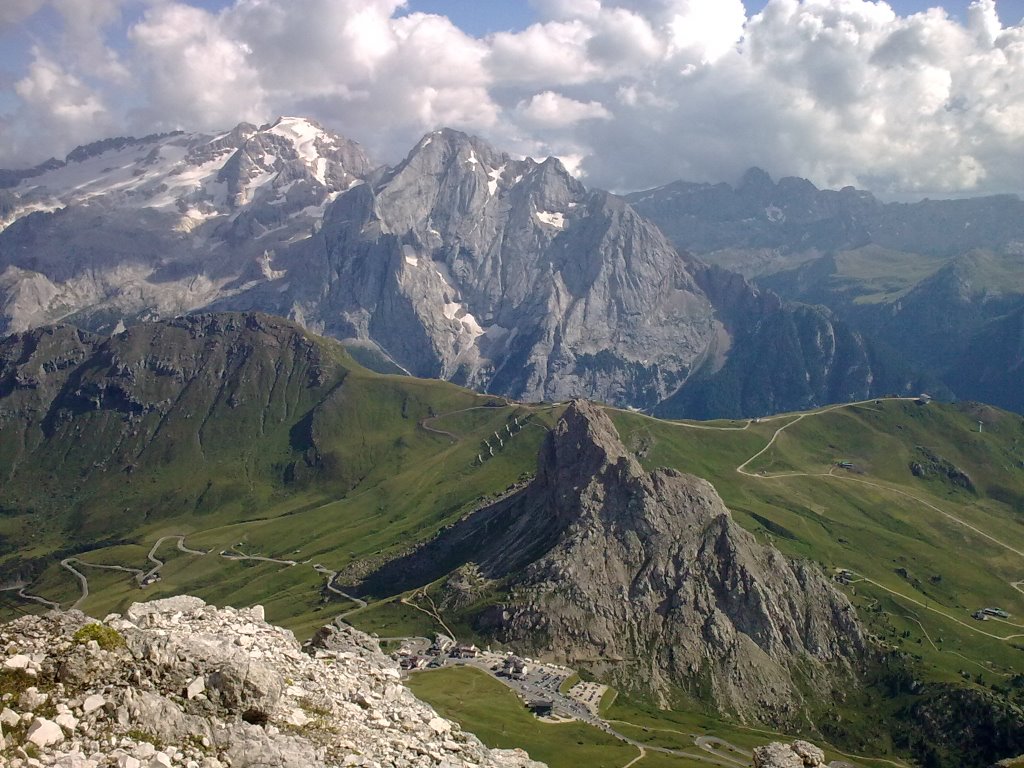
(460, 263)
(793, 215)
(934, 283)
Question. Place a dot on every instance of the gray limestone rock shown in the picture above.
(645, 578)
(799, 754)
(506, 275)
(267, 704)
(652, 574)
(44, 732)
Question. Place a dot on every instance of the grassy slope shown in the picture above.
(389, 483)
(876, 530)
(495, 714)
(873, 274)
(401, 482)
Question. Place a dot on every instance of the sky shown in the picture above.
(905, 98)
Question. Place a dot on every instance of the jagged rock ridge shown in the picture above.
(460, 263)
(505, 275)
(760, 222)
(645, 578)
(939, 282)
(177, 682)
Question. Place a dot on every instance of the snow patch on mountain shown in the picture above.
(471, 326)
(495, 176)
(193, 173)
(26, 210)
(305, 135)
(552, 218)
(267, 270)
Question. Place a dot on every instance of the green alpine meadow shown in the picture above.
(241, 459)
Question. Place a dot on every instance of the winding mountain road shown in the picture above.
(742, 468)
(139, 574)
(234, 554)
(330, 586)
(423, 422)
(83, 579)
(157, 563)
(19, 590)
(832, 475)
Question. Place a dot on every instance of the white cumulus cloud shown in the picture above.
(635, 92)
(194, 74)
(551, 109)
(56, 108)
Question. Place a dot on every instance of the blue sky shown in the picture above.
(480, 17)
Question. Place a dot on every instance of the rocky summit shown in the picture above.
(177, 682)
(646, 579)
(652, 578)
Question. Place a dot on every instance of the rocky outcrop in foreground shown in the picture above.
(177, 682)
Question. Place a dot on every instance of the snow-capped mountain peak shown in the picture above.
(291, 163)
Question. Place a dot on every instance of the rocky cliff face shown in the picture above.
(177, 682)
(957, 319)
(505, 275)
(784, 357)
(461, 263)
(991, 365)
(645, 578)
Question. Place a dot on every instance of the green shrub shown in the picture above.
(106, 638)
(137, 734)
(14, 681)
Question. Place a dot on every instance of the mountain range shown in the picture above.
(816, 572)
(938, 282)
(461, 263)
